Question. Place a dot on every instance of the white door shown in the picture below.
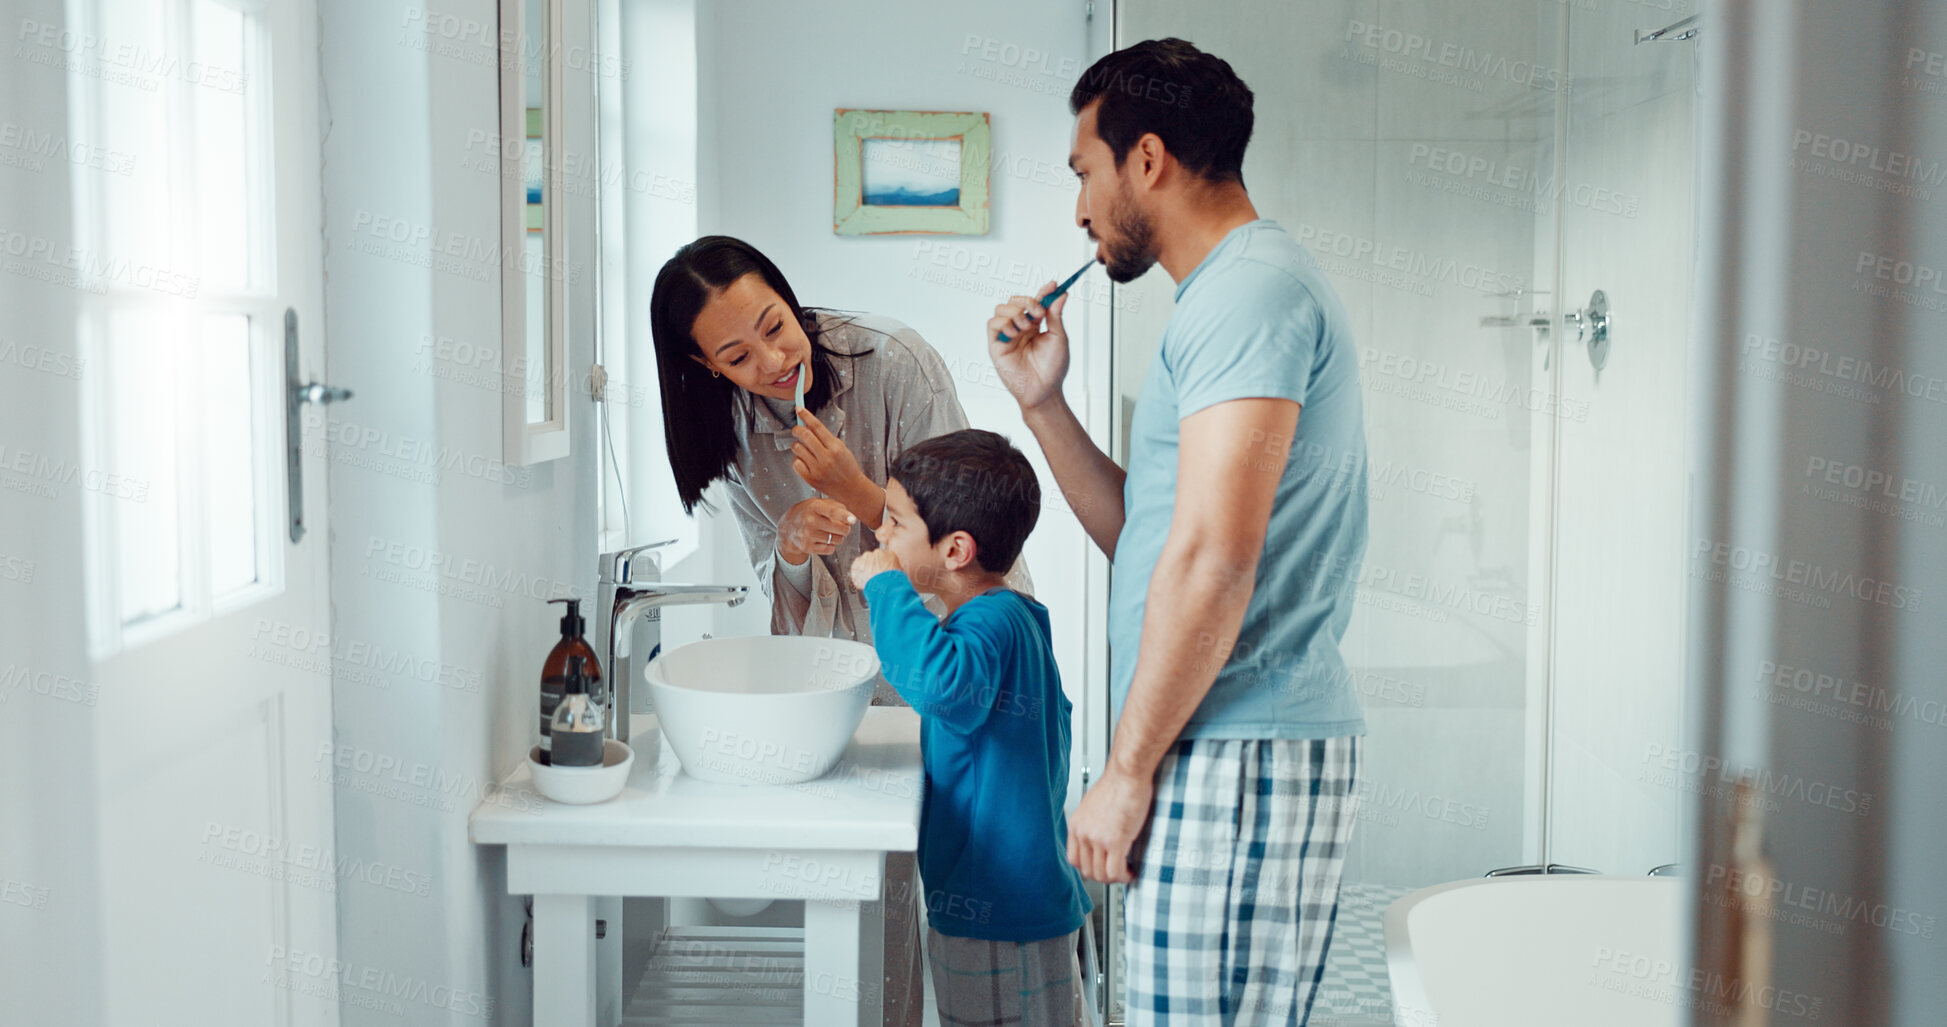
(208, 623)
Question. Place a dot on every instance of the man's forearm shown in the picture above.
(1196, 602)
(1088, 479)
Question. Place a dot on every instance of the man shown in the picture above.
(1236, 533)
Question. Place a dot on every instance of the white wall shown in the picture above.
(1619, 574)
(404, 140)
(769, 77)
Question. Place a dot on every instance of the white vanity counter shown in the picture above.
(669, 834)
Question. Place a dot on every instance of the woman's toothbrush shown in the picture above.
(802, 368)
(1059, 289)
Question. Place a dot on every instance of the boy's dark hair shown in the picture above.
(1192, 100)
(973, 481)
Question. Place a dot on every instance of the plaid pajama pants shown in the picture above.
(1232, 908)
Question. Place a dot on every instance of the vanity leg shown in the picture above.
(836, 989)
(564, 961)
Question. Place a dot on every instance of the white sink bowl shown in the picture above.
(761, 710)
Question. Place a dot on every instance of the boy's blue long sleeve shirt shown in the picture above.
(993, 837)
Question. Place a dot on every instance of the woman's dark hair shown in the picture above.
(697, 405)
(1192, 100)
(973, 481)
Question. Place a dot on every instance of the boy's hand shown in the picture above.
(870, 563)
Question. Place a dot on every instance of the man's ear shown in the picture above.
(959, 552)
(1149, 154)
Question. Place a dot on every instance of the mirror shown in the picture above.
(534, 413)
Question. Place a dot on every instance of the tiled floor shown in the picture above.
(1356, 991)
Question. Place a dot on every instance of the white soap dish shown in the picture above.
(580, 786)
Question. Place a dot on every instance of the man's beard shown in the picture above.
(1135, 254)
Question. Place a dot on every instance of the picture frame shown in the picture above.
(910, 172)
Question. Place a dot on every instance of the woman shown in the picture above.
(731, 343)
(731, 340)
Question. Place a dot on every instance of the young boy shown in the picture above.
(1002, 901)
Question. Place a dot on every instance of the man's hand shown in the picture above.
(1106, 825)
(1033, 360)
(872, 562)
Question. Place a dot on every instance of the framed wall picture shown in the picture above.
(906, 172)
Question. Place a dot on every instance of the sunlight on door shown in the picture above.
(182, 320)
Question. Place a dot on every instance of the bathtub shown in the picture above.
(1540, 951)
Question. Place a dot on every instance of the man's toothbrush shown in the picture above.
(1059, 289)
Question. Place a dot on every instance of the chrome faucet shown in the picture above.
(619, 599)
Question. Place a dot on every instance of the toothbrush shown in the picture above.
(1059, 289)
(802, 368)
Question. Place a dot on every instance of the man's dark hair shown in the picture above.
(1192, 100)
(973, 481)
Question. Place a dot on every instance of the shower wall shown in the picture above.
(1515, 634)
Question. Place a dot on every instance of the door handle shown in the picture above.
(296, 394)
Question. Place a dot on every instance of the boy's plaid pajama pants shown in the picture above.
(1237, 890)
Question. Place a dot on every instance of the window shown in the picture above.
(175, 264)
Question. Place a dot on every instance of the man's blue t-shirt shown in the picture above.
(993, 837)
(1257, 319)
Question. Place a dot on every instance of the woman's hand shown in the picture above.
(823, 461)
(1033, 360)
(816, 525)
(872, 562)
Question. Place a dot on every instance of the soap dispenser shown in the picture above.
(579, 722)
(554, 673)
